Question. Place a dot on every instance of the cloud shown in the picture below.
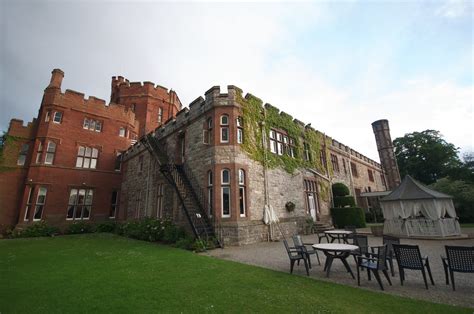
(455, 9)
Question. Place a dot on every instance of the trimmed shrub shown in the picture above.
(146, 229)
(78, 227)
(348, 216)
(340, 189)
(186, 243)
(343, 201)
(109, 226)
(38, 229)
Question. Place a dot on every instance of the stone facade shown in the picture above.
(194, 139)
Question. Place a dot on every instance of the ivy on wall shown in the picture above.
(259, 120)
(6, 140)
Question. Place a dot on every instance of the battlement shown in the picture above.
(19, 129)
(122, 87)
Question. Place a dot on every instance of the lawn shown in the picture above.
(108, 273)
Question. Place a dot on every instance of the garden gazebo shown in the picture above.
(414, 210)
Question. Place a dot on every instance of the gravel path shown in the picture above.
(273, 255)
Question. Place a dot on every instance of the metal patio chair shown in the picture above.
(458, 259)
(296, 255)
(409, 257)
(307, 248)
(374, 265)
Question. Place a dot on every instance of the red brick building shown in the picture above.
(65, 165)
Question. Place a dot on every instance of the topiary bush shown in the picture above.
(78, 227)
(109, 226)
(37, 229)
(348, 216)
(343, 201)
(340, 189)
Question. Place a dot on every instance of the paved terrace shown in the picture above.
(273, 255)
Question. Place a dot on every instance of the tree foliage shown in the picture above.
(426, 156)
(463, 196)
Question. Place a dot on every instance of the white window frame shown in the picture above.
(226, 130)
(85, 156)
(225, 187)
(39, 204)
(222, 176)
(114, 206)
(226, 117)
(50, 152)
(47, 116)
(240, 135)
(28, 204)
(160, 114)
(241, 179)
(122, 132)
(76, 205)
(58, 114)
(23, 154)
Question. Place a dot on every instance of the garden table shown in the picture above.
(338, 234)
(336, 250)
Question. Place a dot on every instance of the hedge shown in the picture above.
(348, 216)
(343, 201)
(340, 189)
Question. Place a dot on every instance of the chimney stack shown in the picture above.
(386, 153)
(56, 79)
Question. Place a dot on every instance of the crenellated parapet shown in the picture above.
(122, 87)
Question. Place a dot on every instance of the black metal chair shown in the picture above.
(296, 255)
(458, 259)
(298, 241)
(374, 264)
(350, 236)
(389, 240)
(409, 257)
(363, 243)
(322, 235)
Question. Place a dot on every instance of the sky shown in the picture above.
(338, 65)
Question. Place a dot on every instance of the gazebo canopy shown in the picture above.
(410, 189)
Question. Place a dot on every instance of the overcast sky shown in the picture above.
(337, 65)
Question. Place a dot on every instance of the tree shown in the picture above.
(463, 195)
(426, 156)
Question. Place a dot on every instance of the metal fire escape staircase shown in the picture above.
(192, 198)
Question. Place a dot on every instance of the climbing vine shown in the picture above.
(6, 140)
(259, 120)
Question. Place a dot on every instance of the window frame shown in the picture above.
(50, 152)
(22, 154)
(84, 157)
(47, 115)
(85, 204)
(29, 204)
(39, 204)
(242, 193)
(226, 186)
(114, 206)
(160, 115)
(60, 113)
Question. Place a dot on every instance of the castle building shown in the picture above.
(213, 167)
(64, 166)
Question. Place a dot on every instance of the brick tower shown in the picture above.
(386, 153)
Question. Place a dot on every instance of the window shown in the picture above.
(134, 106)
(160, 115)
(207, 132)
(335, 163)
(122, 132)
(311, 190)
(118, 162)
(22, 156)
(87, 157)
(344, 164)
(28, 204)
(50, 151)
(40, 201)
(240, 130)
(224, 119)
(225, 189)
(91, 124)
(114, 204)
(210, 193)
(382, 178)
(159, 201)
(58, 117)
(242, 204)
(371, 175)
(322, 158)
(39, 154)
(306, 152)
(224, 129)
(80, 204)
(47, 116)
(281, 144)
(354, 170)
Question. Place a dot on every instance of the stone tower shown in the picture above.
(386, 153)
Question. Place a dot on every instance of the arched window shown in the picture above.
(242, 200)
(225, 193)
(224, 128)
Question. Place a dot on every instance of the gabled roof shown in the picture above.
(410, 189)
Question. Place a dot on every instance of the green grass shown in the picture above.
(108, 273)
(467, 225)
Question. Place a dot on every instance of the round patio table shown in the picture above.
(333, 251)
(338, 234)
